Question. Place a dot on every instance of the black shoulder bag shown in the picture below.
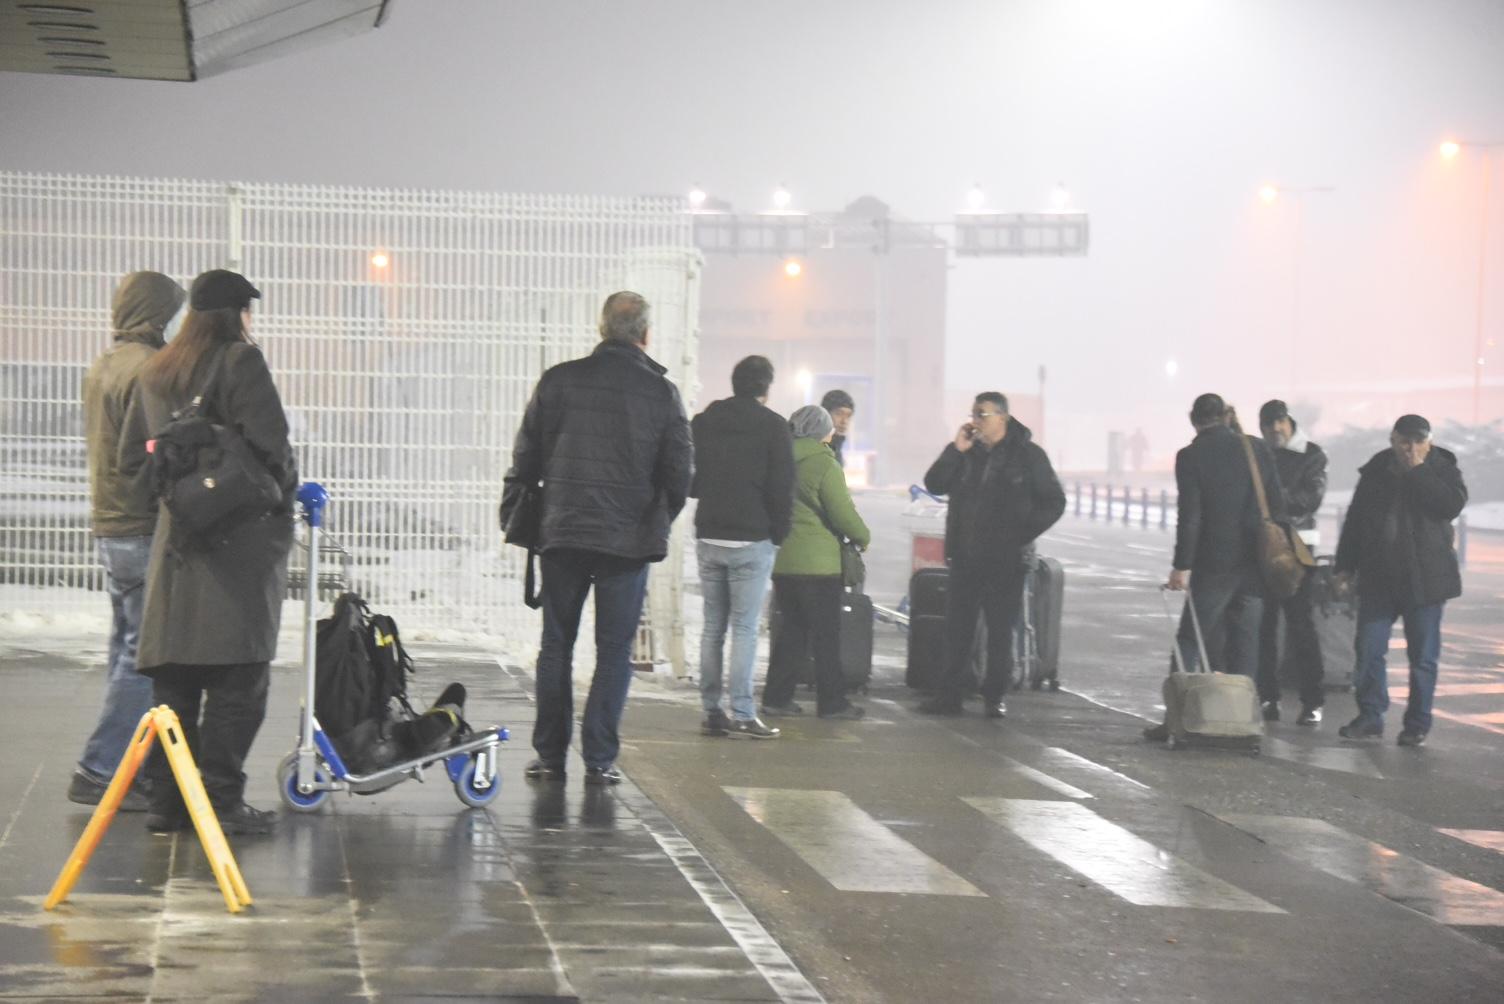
(207, 473)
(522, 526)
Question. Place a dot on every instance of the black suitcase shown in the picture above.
(856, 642)
(1046, 604)
(1336, 628)
(927, 598)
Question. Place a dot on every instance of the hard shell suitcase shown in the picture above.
(856, 641)
(1046, 602)
(926, 662)
(1207, 709)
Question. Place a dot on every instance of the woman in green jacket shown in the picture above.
(807, 574)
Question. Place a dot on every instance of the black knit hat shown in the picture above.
(1272, 412)
(1412, 427)
(220, 288)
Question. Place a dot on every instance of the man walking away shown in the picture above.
(124, 513)
(608, 438)
(1003, 494)
(841, 408)
(1216, 537)
(744, 480)
(1398, 540)
(1302, 472)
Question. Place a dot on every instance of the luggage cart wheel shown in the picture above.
(469, 789)
(287, 786)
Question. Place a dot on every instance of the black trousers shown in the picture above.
(809, 612)
(1228, 605)
(1301, 641)
(994, 591)
(220, 709)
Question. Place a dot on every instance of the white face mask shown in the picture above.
(175, 324)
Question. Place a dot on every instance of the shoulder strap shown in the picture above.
(1258, 481)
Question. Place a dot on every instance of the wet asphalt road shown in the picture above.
(1050, 856)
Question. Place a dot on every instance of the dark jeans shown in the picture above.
(233, 703)
(1376, 617)
(620, 585)
(1229, 606)
(1301, 642)
(809, 615)
(993, 591)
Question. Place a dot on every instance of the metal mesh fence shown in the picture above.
(405, 330)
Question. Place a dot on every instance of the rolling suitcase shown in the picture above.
(1046, 602)
(1208, 709)
(856, 641)
(926, 662)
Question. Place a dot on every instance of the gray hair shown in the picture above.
(625, 318)
(811, 422)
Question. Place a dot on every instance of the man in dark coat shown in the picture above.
(1302, 473)
(1217, 523)
(608, 439)
(842, 407)
(1398, 540)
(124, 515)
(744, 480)
(1003, 494)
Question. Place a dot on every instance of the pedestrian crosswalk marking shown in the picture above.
(1064, 756)
(1114, 858)
(1040, 777)
(1348, 760)
(851, 850)
(1437, 894)
(1489, 840)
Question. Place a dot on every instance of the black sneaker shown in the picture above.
(994, 709)
(1157, 733)
(602, 775)
(243, 820)
(948, 706)
(544, 770)
(1309, 715)
(715, 724)
(87, 790)
(1271, 711)
(850, 713)
(750, 728)
(1409, 737)
(788, 710)
(1361, 728)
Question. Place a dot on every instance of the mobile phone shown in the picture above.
(971, 431)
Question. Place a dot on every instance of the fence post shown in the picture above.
(1127, 504)
(1078, 498)
(1143, 509)
(1164, 509)
(1093, 500)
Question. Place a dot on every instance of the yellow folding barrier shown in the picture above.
(159, 723)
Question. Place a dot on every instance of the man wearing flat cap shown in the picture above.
(1398, 540)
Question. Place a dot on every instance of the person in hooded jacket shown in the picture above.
(1398, 540)
(1003, 494)
(124, 515)
(213, 607)
(807, 582)
(744, 480)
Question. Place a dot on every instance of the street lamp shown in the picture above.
(380, 260)
(792, 268)
(1450, 150)
(696, 198)
(1271, 193)
(976, 199)
(781, 198)
(1060, 198)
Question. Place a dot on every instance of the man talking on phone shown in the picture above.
(1003, 493)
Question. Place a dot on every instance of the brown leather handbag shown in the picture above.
(1283, 557)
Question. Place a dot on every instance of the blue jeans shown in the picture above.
(127, 694)
(1376, 617)
(620, 585)
(734, 581)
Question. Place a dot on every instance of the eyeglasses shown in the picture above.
(979, 415)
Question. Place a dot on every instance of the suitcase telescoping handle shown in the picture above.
(1206, 666)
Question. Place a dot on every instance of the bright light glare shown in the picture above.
(380, 260)
(1060, 199)
(792, 268)
(1268, 193)
(697, 197)
(781, 198)
(1171, 368)
(805, 380)
(976, 198)
(1450, 149)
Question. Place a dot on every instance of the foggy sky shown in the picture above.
(1162, 118)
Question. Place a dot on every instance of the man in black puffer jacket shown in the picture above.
(1003, 493)
(608, 439)
(1398, 539)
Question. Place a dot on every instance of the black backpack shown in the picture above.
(362, 669)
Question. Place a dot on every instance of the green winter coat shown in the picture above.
(810, 548)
